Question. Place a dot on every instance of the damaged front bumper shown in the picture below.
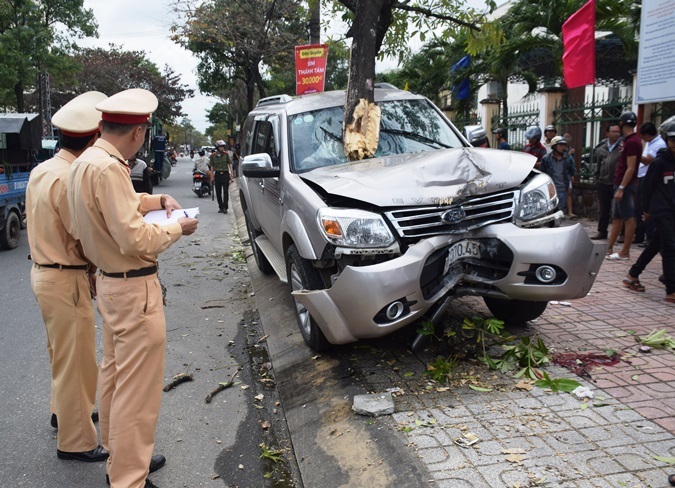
(500, 260)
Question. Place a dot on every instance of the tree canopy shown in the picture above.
(113, 70)
(30, 41)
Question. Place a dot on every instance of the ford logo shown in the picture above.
(453, 216)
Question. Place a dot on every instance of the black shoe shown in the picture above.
(156, 462)
(150, 484)
(220, 210)
(55, 422)
(95, 455)
(599, 236)
(671, 479)
(225, 211)
(643, 244)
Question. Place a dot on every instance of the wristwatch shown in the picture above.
(621, 187)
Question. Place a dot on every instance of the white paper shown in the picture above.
(159, 216)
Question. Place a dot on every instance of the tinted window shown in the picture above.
(407, 126)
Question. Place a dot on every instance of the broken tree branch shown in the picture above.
(223, 386)
(177, 380)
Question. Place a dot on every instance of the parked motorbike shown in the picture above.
(201, 184)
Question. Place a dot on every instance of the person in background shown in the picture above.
(534, 145)
(501, 139)
(625, 188)
(140, 174)
(560, 167)
(233, 147)
(659, 204)
(63, 281)
(549, 133)
(221, 165)
(570, 191)
(606, 156)
(108, 219)
(652, 141)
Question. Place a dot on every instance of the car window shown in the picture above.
(264, 141)
(247, 139)
(407, 126)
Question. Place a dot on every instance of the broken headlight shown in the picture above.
(537, 199)
(354, 228)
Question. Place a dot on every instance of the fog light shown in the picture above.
(395, 310)
(545, 274)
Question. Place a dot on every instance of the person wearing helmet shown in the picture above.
(625, 188)
(534, 145)
(659, 205)
(653, 142)
(549, 133)
(221, 164)
(202, 163)
(501, 139)
(139, 174)
(560, 167)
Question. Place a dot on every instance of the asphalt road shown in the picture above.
(212, 331)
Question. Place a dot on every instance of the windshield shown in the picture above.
(407, 126)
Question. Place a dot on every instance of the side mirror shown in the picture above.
(259, 166)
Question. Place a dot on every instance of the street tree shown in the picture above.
(235, 40)
(113, 70)
(383, 27)
(33, 38)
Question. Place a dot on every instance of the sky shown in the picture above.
(143, 25)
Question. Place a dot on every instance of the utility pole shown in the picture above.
(315, 22)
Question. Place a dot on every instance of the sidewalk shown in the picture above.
(526, 438)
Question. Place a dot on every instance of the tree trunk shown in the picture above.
(315, 22)
(361, 126)
(18, 91)
(250, 89)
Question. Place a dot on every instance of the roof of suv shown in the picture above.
(316, 101)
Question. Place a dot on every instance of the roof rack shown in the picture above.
(273, 100)
(388, 86)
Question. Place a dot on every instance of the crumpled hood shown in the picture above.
(426, 178)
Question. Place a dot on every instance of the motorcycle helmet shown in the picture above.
(202, 152)
(667, 130)
(628, 118)
(558, 140)
(533, 132)
(499, 132)
(550, 128)
(220, 142)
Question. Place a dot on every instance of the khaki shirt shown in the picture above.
(48, 216)
(108, 214)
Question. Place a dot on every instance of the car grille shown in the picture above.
(479, 211)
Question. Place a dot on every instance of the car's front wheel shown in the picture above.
(303, 276)
(515, 312)
(260, 259)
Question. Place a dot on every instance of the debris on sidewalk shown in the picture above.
(467, 440)
(583, 392)
(177, 380)
(223, 386)
(374, 405)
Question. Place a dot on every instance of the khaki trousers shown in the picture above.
(68, 314)
(131, 374)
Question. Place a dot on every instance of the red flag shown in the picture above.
(579, 47)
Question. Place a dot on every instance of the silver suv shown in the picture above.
(371, 246)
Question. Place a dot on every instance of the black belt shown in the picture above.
(222, 172)
(64, 266)
(134, 273)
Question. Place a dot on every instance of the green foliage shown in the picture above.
(560, 384)
(440, 369)
(273, 455)
(658, 339)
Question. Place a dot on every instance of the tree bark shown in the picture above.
(315, 22)
(18, 91)
(361, 128)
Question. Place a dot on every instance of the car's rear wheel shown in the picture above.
(303, 276)
(260, 260)
(515, 312)
(9, 237)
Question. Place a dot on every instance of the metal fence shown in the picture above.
(519, 118)
(587, 122)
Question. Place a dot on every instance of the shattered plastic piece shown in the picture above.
(583, 392)
(468, 439)
(566, 304)
(554, 302)
(645, 349)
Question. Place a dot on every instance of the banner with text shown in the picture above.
(310, 68)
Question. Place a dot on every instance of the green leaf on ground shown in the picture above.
(479, 388)
(667, 460)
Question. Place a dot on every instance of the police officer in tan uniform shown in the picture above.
(60, 282)
(108, 219)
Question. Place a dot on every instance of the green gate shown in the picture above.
(517, 121)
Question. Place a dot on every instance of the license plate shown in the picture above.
(198, 185)
(462, 250)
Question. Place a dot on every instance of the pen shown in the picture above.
(186, 214)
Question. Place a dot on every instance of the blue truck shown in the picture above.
(20, 142)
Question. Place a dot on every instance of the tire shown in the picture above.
(515, 312)
(204, 191)
(260, 260)
(9, 237)
(303, 276)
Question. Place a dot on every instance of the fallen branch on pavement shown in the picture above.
(177, 380)
(223, 386)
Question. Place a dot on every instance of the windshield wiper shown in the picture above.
(335, 137)
(414, 136)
